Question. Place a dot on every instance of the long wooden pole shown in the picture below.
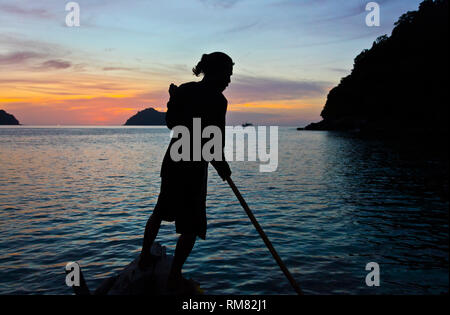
(264, 237)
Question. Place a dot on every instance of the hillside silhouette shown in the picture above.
(400, 84)
(147, 117)
(7, 119)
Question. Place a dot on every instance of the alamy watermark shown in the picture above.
(255, 138)
(373, 277)
(72, 274)
(373, 18)
(73, 17)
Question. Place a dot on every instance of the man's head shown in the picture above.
(217, 69)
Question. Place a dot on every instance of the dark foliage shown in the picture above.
(401, 82)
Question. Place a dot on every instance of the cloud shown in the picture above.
(340, 70)
(29, 12)
(18, 57)
(245, 89)
(56, 64)
(118, 69)
(241, 28)
(19, 42)
(33, 55)
(80, 111)
(223, 4)
(238, 117)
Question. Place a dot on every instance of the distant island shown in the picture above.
(400, 85)
(7, 119)
(147, 117)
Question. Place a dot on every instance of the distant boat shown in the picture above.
(247, 124)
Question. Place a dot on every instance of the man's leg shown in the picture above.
(151, 231)
(184, 247)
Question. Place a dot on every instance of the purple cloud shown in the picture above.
(14, 9)
(252, 89)
(18, 57)
(56, 64)
(224, 4)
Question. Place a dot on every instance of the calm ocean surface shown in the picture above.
(335, 204)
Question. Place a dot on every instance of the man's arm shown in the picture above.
(222, 167)
(173, 114)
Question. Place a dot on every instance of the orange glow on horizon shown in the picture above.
(90, 99)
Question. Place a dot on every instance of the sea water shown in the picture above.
(336, 203)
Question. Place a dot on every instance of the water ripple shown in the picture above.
(335, 203)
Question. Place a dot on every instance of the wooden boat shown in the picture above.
(134, 281)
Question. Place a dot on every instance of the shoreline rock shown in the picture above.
(147, 117)
(8, 119)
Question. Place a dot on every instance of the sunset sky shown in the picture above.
(125, 54)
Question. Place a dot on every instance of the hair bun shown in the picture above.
(213, 62)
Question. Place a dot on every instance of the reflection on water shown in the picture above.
(335, 203)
